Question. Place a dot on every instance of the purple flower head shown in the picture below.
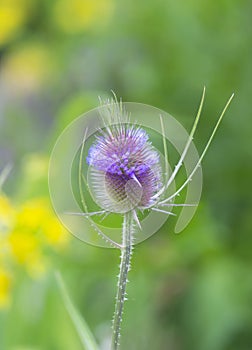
(126, 170)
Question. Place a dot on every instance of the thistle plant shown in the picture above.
(128, 176)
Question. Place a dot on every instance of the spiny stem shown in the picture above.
(126, 251)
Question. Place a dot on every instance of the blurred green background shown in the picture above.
(186, 291)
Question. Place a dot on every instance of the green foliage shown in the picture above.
(187, 291)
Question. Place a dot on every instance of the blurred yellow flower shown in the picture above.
(37, 219)
(27, 67)
(32, 214)
(13, 14)
(29, 230)
(54, 233)
(27, 251)
(78, 15)
(24, 245)
(5, 286)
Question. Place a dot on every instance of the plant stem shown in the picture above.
(126, 251)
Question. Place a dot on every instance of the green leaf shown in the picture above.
(85, 334)
(4, 174)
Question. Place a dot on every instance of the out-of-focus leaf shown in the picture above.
(4, 174)
(85, 334)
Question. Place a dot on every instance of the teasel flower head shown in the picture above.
(125, 167)
(125, 171)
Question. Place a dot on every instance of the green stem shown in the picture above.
(126, 251)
